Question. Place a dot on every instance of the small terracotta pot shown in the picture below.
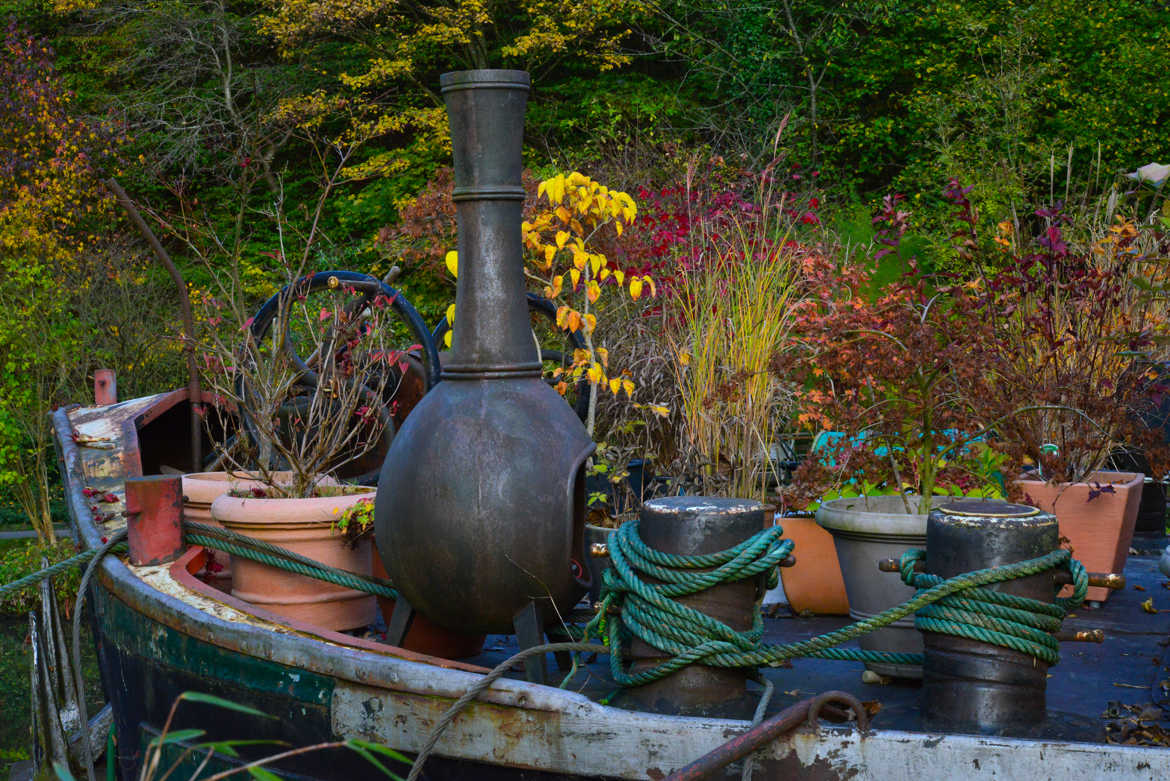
(1099, 530)
(814, 583)
(424, 636)
(304, 526)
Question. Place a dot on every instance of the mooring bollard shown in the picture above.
(689, 525)
(969, 685)
(154, 518)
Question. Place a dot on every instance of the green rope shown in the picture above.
(47, 572)
(957, 606)
(237, 544)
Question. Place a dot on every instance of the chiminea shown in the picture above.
(481, 502)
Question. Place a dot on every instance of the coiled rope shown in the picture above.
(957, 606)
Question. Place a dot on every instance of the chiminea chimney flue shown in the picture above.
(486, 110)
(481, 502)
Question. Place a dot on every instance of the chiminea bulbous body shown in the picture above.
(481, 500)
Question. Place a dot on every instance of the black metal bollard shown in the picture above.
(968, 685)
(690, 525)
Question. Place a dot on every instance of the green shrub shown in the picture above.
(19, 558)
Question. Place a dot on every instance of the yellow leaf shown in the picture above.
(650, 282)
(447, 339)
(563, 316)
(549, 253)
(562, 237)
(580, 355)
(635, 288)
(451, 315)
(659, 410)
(575, 321)
(1148, 606)
(576, 227)
(453, 262)
(575, 275)
(595, 374)
(684, 358)
(595, 263)
(592, 290)
(628, 387)
(620, 276)
(603, 354)
(579, 259)
(617, 226)
(556, 189)
(564, 214)
(604, 273)
(558, 283)
(590, 322)
(615, 385)
(562, 387)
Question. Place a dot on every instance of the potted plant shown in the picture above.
(881, 367)
(312, 380)
(1084, 330)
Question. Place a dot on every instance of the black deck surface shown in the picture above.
(1129, 668)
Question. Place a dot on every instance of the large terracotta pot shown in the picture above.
(1099, 530)
(866, 530)
(200, 489)
(304, 526)
(814, 584)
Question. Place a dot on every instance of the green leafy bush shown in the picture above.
(19, 558)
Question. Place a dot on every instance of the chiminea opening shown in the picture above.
(577, 563)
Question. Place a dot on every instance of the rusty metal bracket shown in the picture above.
(828, 704)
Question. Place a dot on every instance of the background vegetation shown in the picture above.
(228, 120)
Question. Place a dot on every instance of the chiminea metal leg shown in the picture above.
(400, 622)
(564, 659)
(530, 633)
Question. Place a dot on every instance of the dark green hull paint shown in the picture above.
(146, 665)
(133, 633)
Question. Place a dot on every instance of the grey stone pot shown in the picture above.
(865, 531)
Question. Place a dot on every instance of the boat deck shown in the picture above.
(1095, 694)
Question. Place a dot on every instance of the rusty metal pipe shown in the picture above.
(768, 730)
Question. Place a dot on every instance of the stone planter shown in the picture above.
(1099, 530)
(866, 531)
(304, 526)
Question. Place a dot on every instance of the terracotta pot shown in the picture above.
(1100, 530)
(815, 583)
(304, 526)
(424, 636)
(200, 489)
